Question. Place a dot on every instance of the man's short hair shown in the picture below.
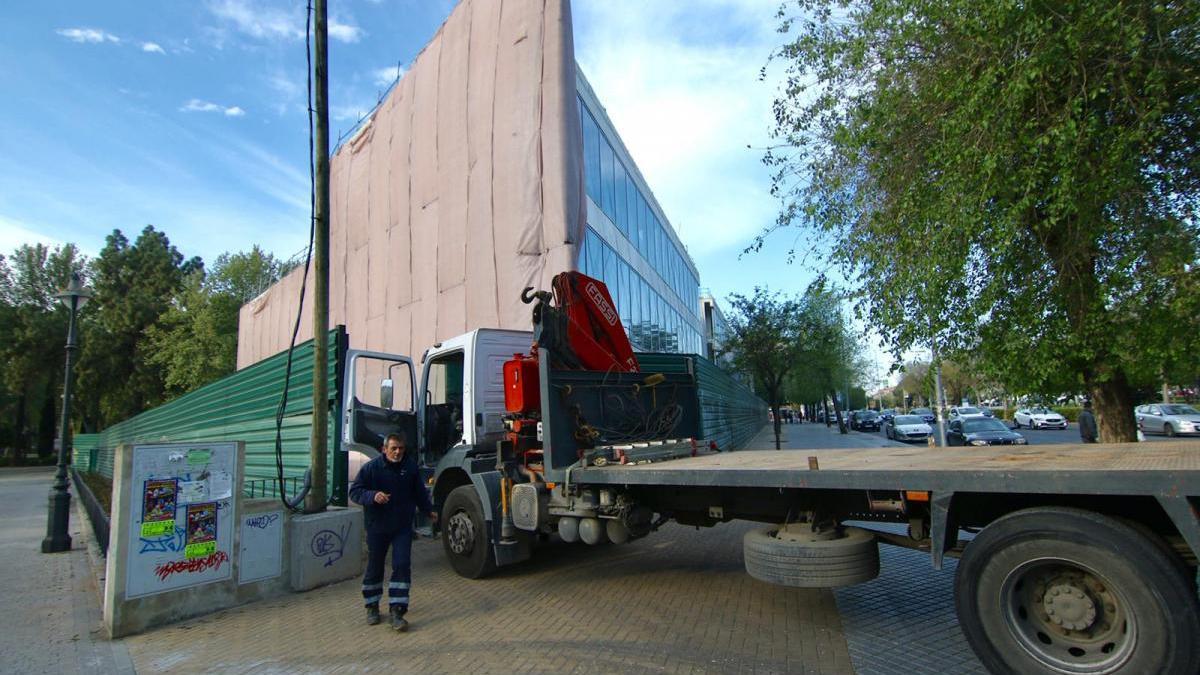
(399, 438)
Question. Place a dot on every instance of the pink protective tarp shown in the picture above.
(464, 187)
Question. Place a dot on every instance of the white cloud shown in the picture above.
(197, 105)
(344, 32)
(352, 112)
(14, 233)
(264, 23)
(153, 48)
(88, 35)
(687, 103)
(384, 77)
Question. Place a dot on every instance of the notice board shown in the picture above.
(181, 515)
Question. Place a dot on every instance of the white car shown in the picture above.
(966, 412)
(1039, 418)
(1168, 418)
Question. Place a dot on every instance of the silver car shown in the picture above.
(1168, 418)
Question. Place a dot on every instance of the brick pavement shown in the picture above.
(50, 610)
(906, 615)
(677, 601)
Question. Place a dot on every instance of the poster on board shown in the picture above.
(182, 516)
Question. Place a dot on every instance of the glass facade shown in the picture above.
(654, 323)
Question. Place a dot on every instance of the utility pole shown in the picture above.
(318, 446)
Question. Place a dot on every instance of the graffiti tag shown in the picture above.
(210, 562)
(330, 545)
(167, 543)
(262, 522)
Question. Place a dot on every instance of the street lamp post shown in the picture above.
(57, 540)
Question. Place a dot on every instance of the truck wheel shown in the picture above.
(1062, 590)
(777, 556)
(465, 534)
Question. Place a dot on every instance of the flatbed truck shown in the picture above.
(1072, 558)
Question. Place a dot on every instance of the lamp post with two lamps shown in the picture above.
(57, 540)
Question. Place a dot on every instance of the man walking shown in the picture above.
(1087, 423)
(389, 488)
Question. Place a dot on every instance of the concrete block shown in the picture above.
(325, 548)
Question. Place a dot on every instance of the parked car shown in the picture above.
(1039, 418)
(965, 412)
(925, 414)
(907, 428)
(1168, 418)
(865, 420)
(981, 431)
(887, 414)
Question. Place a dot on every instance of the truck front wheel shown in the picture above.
(1061, 590)
(465, 534)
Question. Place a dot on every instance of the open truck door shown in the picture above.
(380, 399)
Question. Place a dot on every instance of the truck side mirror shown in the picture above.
(386, 388)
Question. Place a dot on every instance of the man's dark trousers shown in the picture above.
(377, 548)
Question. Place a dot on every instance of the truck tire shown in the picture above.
(1063, 590)
(465, 534)
(849, 559)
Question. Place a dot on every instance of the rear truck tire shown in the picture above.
(805, 560)
(1062, 590)
(465, 534)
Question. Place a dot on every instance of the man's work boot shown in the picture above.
(398, 621)
(372, 615)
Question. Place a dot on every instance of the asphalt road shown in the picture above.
(1048, 436)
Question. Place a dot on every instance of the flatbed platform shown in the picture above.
(1168, 469)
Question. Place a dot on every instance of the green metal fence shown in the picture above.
(730, 413)
(238, 407)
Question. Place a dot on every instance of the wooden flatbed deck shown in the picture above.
(1167, 469)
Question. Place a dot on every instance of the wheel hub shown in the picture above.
(1069, 606)
(1068, 617)
(460, 532)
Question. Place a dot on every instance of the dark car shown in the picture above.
(924, 413)
(865, 420)
(887, 414)
(982, 431)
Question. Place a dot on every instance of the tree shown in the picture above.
(827, 358)
(33, 330)
(1015, 180)
(134, 286)
(764, 341)
(195, 340)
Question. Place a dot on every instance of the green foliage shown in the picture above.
(195, 340)
(1014, 181)
(33, 332)
(134, 286)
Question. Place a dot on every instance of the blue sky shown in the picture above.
(191, 116)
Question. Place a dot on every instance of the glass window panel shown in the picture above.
(623, 304)
(591, 150)
(610, 267)
(608, 182)
(622, 218)
(643, 226)
(631, 200)
(595, 255)
(583, 254)
(647, 316)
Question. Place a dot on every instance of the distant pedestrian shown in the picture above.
(389, 488)
(1087, 423)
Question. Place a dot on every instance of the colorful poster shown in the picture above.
(159, 497)
(201, 530)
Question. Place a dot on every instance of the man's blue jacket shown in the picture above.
(402, 481)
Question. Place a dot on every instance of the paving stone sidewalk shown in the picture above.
(906, 616)
(49, 609)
